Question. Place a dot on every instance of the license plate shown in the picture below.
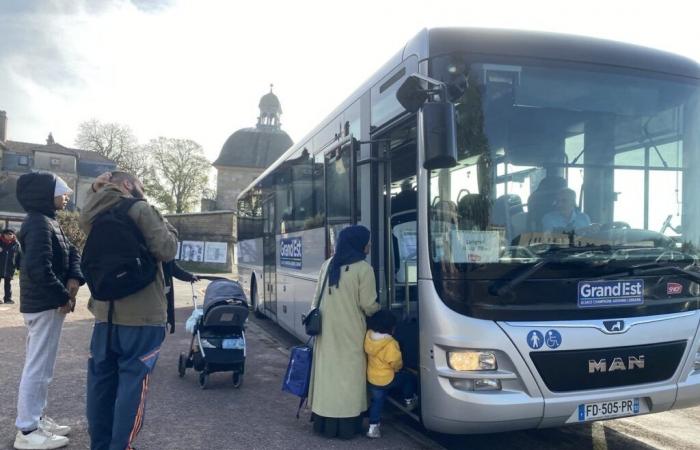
(607, 410)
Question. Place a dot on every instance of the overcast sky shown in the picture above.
(198, 69)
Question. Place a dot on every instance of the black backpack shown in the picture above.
(116, 261)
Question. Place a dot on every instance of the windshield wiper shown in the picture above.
(530, 271)
(654, 268)
(635, 270)
(508, 287)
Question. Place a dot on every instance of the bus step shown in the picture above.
(403, 409)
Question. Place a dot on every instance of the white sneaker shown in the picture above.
(49, 425)
(374, 432)
(39, 440)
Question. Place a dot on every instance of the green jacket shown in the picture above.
(339, 364)
(149, 305)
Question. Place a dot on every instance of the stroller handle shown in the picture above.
(194, 296)
(212, 278)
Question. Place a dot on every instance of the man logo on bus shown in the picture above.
(618, 363)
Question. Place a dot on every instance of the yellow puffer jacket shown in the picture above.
(383, 358)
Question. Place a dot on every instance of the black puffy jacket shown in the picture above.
(49, 260)
(10, 257)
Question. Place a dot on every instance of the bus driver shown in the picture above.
(565, 216)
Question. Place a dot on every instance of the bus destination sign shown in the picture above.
(596, 294)
(291, 253)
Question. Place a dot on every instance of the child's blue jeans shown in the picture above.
(403, 381)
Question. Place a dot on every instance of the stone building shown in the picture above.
(77, 167)
(207, 239)
(249, 151)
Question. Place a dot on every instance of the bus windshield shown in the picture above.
(581, 170)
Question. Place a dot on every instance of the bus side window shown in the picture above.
(338, 186)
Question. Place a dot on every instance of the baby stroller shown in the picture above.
(218, 337)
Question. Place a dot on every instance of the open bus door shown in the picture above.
(269, 256)
(397, 191)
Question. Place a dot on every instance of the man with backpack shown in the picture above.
(9, 260)
(127, 241)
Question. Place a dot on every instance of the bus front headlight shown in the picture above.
(464, 360)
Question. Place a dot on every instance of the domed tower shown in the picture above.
(270, 110)
(249, 151)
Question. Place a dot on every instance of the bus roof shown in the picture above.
(560, 47)
(534, 44)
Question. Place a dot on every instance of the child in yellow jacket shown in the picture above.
(384, 364)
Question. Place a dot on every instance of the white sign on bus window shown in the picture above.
(477, 247)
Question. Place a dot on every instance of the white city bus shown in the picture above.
(534, 206)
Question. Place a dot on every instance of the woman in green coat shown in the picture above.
(338, 391)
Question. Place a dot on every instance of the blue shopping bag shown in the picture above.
(298, 376)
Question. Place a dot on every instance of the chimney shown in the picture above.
(49, 140)
(3, 126)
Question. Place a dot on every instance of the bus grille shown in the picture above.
(575, 370)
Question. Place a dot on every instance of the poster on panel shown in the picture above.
(192, 251)
(215, 252)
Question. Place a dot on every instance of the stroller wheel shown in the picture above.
(237, 379)
(203, 380)
(182, 365)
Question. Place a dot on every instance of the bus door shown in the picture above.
(399, 196)
(269, 257)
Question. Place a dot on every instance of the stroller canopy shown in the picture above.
(221, 291)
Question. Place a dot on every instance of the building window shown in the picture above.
(55, 162)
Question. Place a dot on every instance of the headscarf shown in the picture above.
(349, 249)
(61, 187)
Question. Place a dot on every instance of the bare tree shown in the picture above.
(113, 141)
(178, 175)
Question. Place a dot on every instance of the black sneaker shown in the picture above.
(9, 302)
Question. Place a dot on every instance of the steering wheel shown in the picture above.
(615, 226)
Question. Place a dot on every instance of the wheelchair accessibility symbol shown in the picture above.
(552, 339)
(535, 339)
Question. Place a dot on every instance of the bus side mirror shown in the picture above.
(439, 138)
(438, 125)
(411, 95)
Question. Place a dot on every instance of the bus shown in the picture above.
(530, 198)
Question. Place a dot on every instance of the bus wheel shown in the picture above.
(254, 300)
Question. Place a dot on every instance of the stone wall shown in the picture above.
(230, 182)
(212, 227)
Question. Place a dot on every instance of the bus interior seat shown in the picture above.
(508, 212)
(445, 211)
(541, 201)
(473, 211)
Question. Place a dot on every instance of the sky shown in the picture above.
(197, 69)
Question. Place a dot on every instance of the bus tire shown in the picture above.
(254, 301)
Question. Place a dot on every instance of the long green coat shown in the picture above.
(339, 371)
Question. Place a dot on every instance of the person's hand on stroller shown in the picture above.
(194, 278)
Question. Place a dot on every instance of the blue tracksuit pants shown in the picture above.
(117, 382)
